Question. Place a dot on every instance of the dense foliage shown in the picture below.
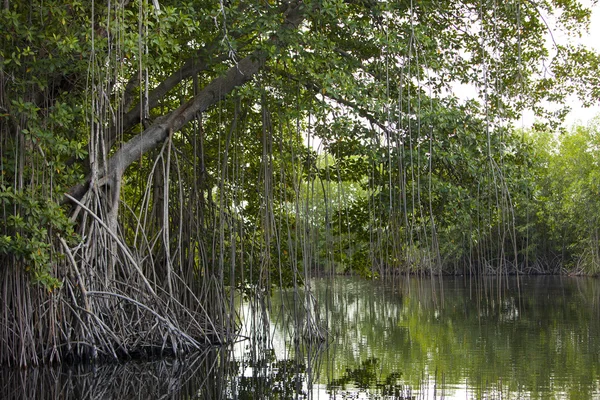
(162, 153)
(564, 209)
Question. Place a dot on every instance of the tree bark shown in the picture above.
(211, 94)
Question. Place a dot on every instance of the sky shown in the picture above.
(591, 40)
(580, 115)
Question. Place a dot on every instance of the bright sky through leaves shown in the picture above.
(578, 114)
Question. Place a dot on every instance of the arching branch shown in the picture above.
(210, 95)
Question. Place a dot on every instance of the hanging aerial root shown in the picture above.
(313, 329)
(106, 308)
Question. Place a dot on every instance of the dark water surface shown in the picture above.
(441, 338)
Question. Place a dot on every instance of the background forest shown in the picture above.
(154, 156)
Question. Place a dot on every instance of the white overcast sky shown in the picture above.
(591, 40)
(579, 114)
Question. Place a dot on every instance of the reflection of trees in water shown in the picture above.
(270, 379)
(196, 376)
(386, 342)
(277, 359)
(263, 373)
(541, 335)
(367, 378)
(214, 374)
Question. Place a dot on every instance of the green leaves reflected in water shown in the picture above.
(534, 338)
(366, 377)
(269, 378)
(443, 338)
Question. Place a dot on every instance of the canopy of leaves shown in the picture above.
(213, 101)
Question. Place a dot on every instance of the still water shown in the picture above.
(440, 338)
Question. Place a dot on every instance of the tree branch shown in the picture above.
(211, 94)
(190, 68)
(360, 111)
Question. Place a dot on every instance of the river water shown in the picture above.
(434, 338)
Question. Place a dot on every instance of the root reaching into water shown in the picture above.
(313, 329)
(75, 324)
(106, 308)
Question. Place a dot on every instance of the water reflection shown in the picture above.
(450, 338)
(460, 338)
(199, 376)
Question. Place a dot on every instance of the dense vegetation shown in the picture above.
(156, 156)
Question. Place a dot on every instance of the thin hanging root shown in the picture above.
(170, 326)
(117, 241)
(80, 281)
(313, 329)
